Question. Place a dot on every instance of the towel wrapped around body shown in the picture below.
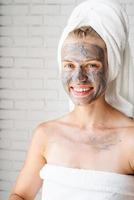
(60, 182)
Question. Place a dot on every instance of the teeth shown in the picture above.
(81, 89)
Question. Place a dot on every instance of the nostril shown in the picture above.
(83, 78)
(79, 76)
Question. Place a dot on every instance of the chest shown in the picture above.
(88, 150)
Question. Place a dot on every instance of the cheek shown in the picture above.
(101, 79)
(98, 77)
(91, 76)
(65, 77)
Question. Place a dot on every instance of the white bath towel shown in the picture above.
(110, 21)
(66, 183)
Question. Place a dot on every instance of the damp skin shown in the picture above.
(84, 63)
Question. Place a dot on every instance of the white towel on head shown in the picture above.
(110, 21)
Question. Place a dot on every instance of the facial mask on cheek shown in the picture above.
(95, 79)
(78, 70)
(101, 82)
(66, 79)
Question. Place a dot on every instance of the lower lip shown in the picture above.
(81, 94)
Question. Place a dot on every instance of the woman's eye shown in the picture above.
(69, 66)
(93, 65)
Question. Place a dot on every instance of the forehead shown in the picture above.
(88, 39)
(89, 47)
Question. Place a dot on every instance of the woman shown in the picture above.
(88, 153)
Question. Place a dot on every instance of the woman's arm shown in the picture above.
(28, 182)
(15, 197)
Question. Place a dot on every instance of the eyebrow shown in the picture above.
(87, 60)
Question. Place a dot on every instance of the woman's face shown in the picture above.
(84, 69)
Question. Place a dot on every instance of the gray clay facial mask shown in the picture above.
(84, 64)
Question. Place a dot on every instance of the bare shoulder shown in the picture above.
(130, 145)
(48, 128)
(130, 132)
(128, 126)
(128, 136)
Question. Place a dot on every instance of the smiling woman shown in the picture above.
(84, 65)
(88, 153)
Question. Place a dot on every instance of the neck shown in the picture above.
(96, 114)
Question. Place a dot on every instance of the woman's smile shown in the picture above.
(80, 91)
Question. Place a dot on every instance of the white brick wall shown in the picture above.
(30, 89)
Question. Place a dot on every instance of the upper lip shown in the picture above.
(81, 86)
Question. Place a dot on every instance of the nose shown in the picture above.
(80, 75)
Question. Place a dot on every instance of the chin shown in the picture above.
(86, 102)
(80, 103)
